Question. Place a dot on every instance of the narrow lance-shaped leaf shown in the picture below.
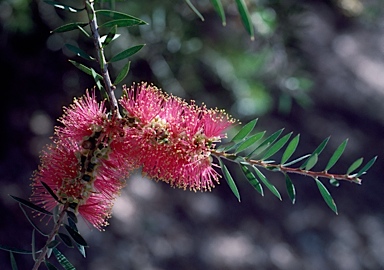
(244, 14)
(276, 147)
(291, 148)
(194, 9)
(290, 188)
(117, 15)
(33, 245)
(97, 79)
(81, 248)
(229, 179)
(366, 167)
(252, 179)
(356, 164)
(122, 23)
(31, 205)
(79, 52)
(53, 244)
(72, 216)
(326, 196)
(110, 36)
(65, 239)
(220, 10)
(69, 27)
(317, 151)
(76, 236)
(13, 261)
(311, 162)
(15, 250)
(244, 131)
(126, 53)
(85, 69)
(122, 74)
(266, 143)
(336, 155)
(268, 184)
(249, 142)
(50, 191)
(64, 7)
(63, 260)
(296, 160)
(49, 265)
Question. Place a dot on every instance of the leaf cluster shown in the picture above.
(112, 21)
(70, 237)
(252, 152)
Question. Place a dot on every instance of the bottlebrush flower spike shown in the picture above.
(171, 139)
(87, 164)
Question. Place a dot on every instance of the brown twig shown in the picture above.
(283, 169)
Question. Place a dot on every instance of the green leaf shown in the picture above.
(64, 7)
(63, 260)
(126, 53)
(336, 155)
(33, 244)
(334, 182)
(277, 146)
(249, 142)
(228, 177)
(85, 69)
(65, 239)
(72, 216)
(15, 250)
(53, 244)
(76, 236)
(311, 162)
(366, 167)
(317, 151)
(31, 205)
(252, 179)
(122, 23)
(266, 143)
(79, 52)
(356, 164)
(69, 27)
(218, 6)
(50, 191)
(191, 6)
(13, 261)
(49, 265)
(110, 36)
(245, 17)
(291, 148)
(244, 131)
(81, 248)
(97, 79)
(290, 188)
(296, 160)
(326, 196)
(122, 74)
(31, 222)
(118, 15)
(268, 184)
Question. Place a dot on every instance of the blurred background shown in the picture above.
(315, 68)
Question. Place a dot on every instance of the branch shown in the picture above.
(101, 57)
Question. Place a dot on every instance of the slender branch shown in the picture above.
(281, 168)
(100, 56)
(51, 237)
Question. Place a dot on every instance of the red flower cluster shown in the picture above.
(94, 151)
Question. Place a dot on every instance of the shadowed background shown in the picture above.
(315, 68)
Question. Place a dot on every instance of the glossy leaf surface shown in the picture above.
(228, 177)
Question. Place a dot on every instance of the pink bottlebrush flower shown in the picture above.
(87, 165)
(171, 139)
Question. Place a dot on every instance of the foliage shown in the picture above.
(250, 150)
